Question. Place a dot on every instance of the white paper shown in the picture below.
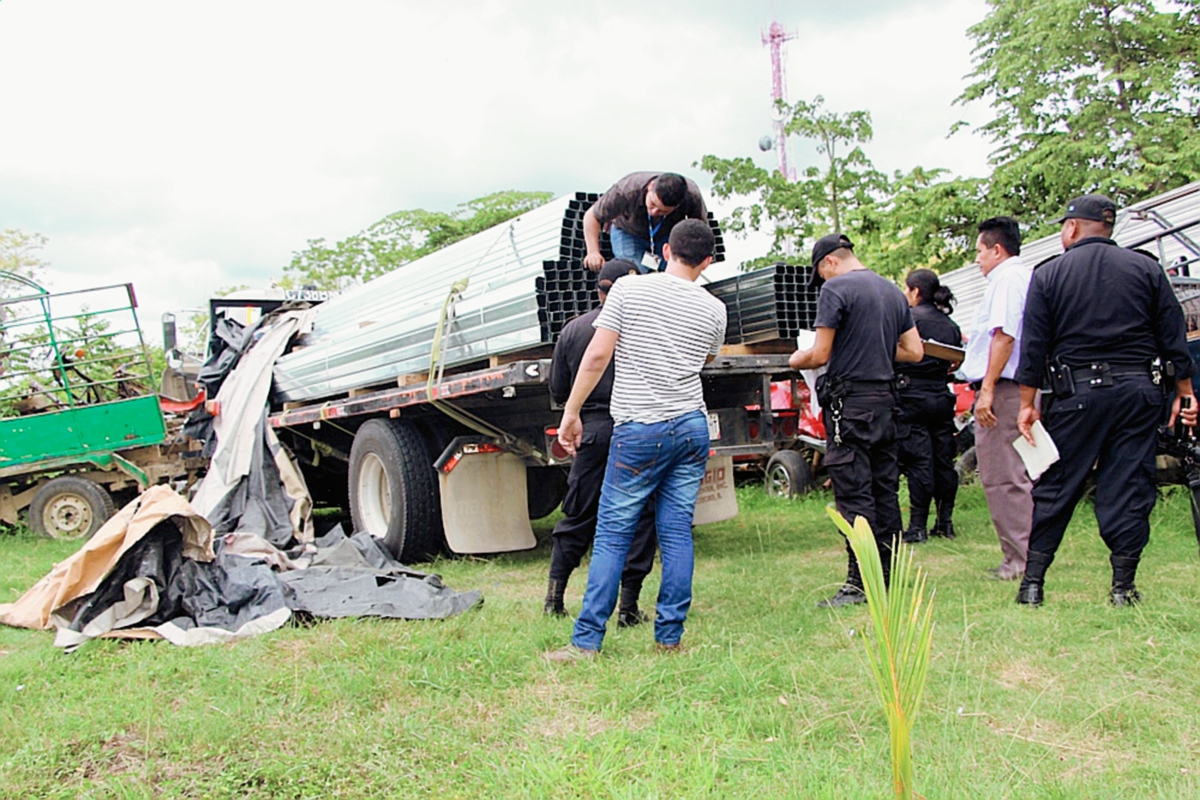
(805, 341)
(1037, 456)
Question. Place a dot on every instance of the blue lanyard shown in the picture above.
(653, 229)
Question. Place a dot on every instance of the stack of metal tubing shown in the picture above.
(518, 284)
(771, 303)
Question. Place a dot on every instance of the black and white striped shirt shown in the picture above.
(667, 327)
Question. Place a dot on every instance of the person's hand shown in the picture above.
(1188, 415)
(983, 407)
(1026, 417)
(593, 261)
(570, 432)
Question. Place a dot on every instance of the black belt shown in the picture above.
(867, 386)
(908, 382)
(1095, 374)
(977, 385)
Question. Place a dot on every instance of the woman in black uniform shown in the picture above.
(925, 412)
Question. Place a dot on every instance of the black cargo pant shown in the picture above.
(1112, 427)
(925, 438)
(574, 533)
(864, 469)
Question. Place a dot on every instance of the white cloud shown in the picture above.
(190, 146)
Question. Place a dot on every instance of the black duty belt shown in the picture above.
(853, 387)
(910, 382)
(977, 385)
(1100, 374)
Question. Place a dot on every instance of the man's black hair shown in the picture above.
(1004, 231)
(670, 188)
(691, 242)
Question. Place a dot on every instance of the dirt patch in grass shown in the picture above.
(1022, 675)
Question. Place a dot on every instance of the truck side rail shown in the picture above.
(516, 373)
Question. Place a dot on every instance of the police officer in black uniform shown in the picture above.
(574, 532)
(863, 325)
(1103, 328)
(925, 411)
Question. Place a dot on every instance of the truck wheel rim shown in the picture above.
(779, 484)
(374, 496)
(67, 516)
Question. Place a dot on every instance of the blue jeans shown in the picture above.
(667, 458)
(631, 248)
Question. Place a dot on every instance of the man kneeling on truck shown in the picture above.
(574, 532)
(663, 329)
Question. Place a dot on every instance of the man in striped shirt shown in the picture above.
(663, 328)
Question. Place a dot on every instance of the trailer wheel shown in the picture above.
(394, 490)
(69, 508)
(787, 474)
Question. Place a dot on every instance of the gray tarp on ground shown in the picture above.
(357, 577)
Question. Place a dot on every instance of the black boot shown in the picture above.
(1031, 592)
(554, 599)
(1123, 592)
(628, 614)
(915, 535)
(851, 593)
(944, 526)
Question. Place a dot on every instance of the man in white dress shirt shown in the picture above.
(990, 366)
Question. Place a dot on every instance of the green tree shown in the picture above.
(18, 254)
(402, 237)
(1088, 95)
(915, 219)
(926, 220)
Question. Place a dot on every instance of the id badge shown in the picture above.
(650, 261)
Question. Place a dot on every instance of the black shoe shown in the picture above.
(631, 617)
(1122, 596)
(1030, 594)
(846, 596)
(915, 536)
(943, 529)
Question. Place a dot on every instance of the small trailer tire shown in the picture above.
(787, 474)
(70, 508)
(394, 490)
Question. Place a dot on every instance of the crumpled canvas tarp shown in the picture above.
(155, 571)
(252, 482)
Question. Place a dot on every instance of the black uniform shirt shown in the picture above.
(568, 354)
(1098, 302)
(868, 313)
(935, 325)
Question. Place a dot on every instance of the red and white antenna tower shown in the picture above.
(774, 38)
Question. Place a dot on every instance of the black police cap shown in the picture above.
(1095, 207)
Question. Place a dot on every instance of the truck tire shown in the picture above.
(69, 508)
(546, 488)
(394, 490)
(787, 474)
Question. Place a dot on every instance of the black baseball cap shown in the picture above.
(1095, 207)
(617, 268)
(824, 246)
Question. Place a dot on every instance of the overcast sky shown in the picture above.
(190, 146)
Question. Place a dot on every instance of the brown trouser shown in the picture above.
(1005, 482)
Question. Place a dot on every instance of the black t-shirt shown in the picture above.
(867, 313)
(1098, 302)
(935, 325)
(568, 355)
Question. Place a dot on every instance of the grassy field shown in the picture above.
(771, 697)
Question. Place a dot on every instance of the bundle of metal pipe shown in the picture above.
(771, 303)
(524, 280)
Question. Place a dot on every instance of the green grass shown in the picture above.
(772, 697)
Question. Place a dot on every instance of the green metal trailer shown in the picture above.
(81, 425)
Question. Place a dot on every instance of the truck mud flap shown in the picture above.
(485, 505)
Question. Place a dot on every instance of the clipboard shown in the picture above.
(944, 351)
